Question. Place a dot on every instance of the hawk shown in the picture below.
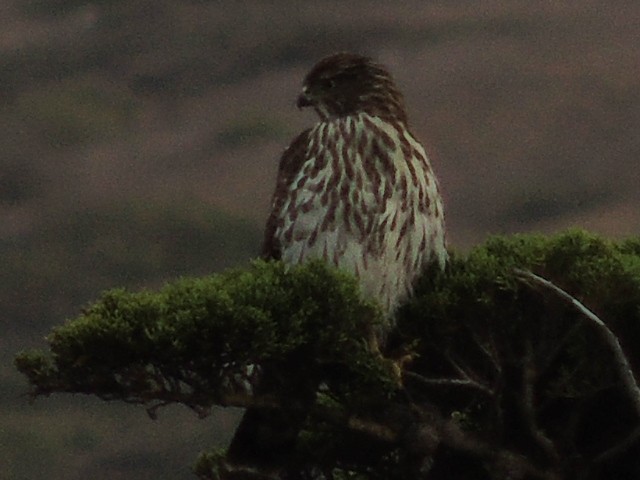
(358, 191)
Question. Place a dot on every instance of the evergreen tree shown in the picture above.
(517, 362)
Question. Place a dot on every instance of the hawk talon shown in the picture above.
(397, 365)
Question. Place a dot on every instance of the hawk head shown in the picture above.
(347, 84)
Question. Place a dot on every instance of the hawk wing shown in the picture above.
(290, 163)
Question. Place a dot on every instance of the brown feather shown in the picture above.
(291, 161)
(356, 190)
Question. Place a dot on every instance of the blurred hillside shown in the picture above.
(140, 141)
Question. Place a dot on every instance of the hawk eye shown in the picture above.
(328, 83)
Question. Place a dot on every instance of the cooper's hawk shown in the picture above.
(356, 190)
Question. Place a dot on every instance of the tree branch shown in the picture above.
(491, 353)
(622, 363)
(465, 382)
(502, 463)
(618, 449)
(528, 387)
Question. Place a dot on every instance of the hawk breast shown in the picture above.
(363, 197)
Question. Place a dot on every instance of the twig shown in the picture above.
(450, 382)
(528, 382)
(373, 429)
(354, 423)
(491, 354)
(619, 448)
(622, 363)
(553, 352)
(200, 403)
(501, 462)
(470, 377)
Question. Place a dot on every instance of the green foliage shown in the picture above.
(207, 465)
(481, 287)
(527, 353)
(502, 360)
(204, 331)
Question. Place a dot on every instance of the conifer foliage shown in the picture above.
(519, 361)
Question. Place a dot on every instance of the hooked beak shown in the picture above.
(304, 100)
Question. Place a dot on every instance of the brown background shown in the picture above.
(139, 142)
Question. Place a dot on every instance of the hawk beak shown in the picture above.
(304, 100)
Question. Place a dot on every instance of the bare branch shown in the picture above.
(620, 448)
(450, 382)
(501, 462)
(622, 363)
(558, 346)
(468, 375)
(367, 426)
(373, 429)
(490, 353)
(528, 387)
